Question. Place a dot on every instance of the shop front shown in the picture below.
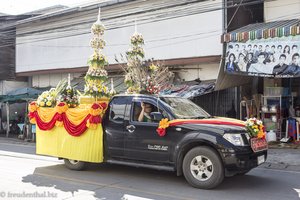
(264, 60)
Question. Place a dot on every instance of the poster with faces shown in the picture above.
(273, 57)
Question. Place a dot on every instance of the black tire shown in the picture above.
(75, 165)
(206, 174)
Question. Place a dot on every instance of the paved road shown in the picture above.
(27, 174)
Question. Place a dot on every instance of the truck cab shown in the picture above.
(203, 153)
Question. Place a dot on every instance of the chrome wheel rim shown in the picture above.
(73, 162)
(201, 168)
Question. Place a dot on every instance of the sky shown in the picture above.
(15, 7)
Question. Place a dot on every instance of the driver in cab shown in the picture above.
(145, 113)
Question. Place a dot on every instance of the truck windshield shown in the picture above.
(185, 109)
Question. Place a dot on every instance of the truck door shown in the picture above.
(142, 141)
(114, 127)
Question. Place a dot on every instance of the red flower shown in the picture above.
(30, 115)
(103, 105)
(95, 119)
(59, 117)
(95, 106)
(61, 104)
(161, 132)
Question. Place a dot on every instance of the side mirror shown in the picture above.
(156, 116)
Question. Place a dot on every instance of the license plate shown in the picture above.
(260, 159)
(258, 144)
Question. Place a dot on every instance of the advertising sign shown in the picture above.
(272, 57)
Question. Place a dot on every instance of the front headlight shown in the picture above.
(235, 139)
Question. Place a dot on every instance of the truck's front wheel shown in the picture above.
(75, 164)
(203, 168)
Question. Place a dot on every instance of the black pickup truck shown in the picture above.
(203, 153)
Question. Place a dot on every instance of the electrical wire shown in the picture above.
(85, 32)
(68, 35)
(188, 13)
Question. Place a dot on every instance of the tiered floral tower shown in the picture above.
(97, 75)
(144, 76)
(135, 75)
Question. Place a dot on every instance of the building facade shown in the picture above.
(266, 56)
(182, 34)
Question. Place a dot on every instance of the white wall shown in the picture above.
(46, 80)
(189, 36)
(7, 86)
(282, 10)
(203, 72)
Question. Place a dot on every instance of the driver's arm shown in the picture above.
(141, 116)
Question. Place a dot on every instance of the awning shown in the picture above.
(20, 95)
(190, 89)
(263, 30)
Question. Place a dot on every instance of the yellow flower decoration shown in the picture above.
(153, 67)
(32, 121)
(42, 103)
(49, 103)
(261, 134)
(164, 123)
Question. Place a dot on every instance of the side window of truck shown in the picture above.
(137, 110)
(117, 110)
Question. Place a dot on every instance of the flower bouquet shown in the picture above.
(46, 99)
(255, 128)
(70, 97)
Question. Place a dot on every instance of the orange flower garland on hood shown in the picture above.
(164, 123)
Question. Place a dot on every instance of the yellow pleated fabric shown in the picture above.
(57, 142)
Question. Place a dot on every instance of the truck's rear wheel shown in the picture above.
(202, 168)
(75, 164)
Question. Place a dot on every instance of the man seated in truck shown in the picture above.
(145, 113)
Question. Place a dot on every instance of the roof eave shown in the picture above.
(72, 10)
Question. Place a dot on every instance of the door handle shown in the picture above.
(130, 128)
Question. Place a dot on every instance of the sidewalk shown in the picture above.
(283, 159)
(280, 156)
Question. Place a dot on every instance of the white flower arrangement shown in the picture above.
(97, 72)
(137, 39)
(46, 99)
(97, 43)
(98, 28)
